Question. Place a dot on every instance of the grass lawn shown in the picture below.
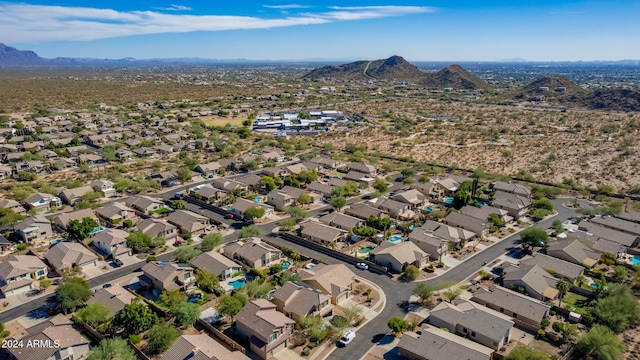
(573, 298)
(221, 122)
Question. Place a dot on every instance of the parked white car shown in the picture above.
(362, 266)
(347, 338)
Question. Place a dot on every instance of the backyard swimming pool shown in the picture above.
(365, 250)
(285, 264)
(258, 199)
(310, 265)
(635, 260)
(448, 201)
(237, 284)
(96, 230)
(395, 238)
(428, 209)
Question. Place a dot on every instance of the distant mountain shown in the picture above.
(11, 55)
(454, 76)
(617, 99)
(393, 68)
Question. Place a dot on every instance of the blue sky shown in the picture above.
(439, 30)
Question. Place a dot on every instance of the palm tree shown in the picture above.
(580, 279)
(563, 287)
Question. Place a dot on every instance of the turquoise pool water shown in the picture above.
(310, 265)
(594, 286)
(258, 199)
(428, 209)
(285, 265)
(395, 238)
(237, 284)
(96, 230)
(635, 260)
(448, 201)
(413, 227)
(366, 250)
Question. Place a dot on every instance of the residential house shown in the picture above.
(473, 321)
(189, 222)
(320, 188)
(617, 224)
(42, 201)
(253, 252)
(363, 168)
(229, 185)
(34, 229)
(58, 329)
(535, 281)
(62, 220)
(483, 213)
(252, 181)
(115, 213)
(112, 241)
(156, 228)
(434, 246)
(200, 347)
(296, 169)
(13, 205)
(18, 273)
(573, 251)
(446, 186)
(334, 279)
(364, 211)
(477, 226)
(217, 264)
(105, 187)
(240, 206)
(70, 254)
(297, 299)
(162, 276)
(209, 169)
(145, 152)
(144, 204)
(515, 205)
(114, 298)
(5, 245)
(91, 160)
(436, 344)
(265, 329)
(527, 313)
(288, 196)
(512, 188)
(73, 196)
(326, 162)
(360, 178)
(596, 244)
(323, 234)
(633, 216)
(622, 238)
(393, 207)
(413, 197)
(208, 193)
(166, 178)
(341, 221)
(397, 256)
(5, 172)
(555, 266)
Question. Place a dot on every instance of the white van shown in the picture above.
(347, 338)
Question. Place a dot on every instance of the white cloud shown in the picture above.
(40, 23)
(174, 7)
(287, 6)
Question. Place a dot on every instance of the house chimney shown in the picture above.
(195, 351)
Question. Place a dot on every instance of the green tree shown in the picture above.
(452, 293)
(206, 280)
(364, 231)
(557, 226)
(297, 213)
(563, 287)
(254, 212)
(424, 292)
(230, 305)
(73, 293)
(185, 252)
(411, 273)
(304, 199)
(601, 344)
(543, 203)
(617, 308)
(308, 176)
(397, 325)
(526, 353)
(250, 231)
(187, 313)
(135, 317)
(352, 312)
(381, 186)
(408, 172)
(211, 241)
(112, 349)
(91, 196)
(257, 289)
(532, 237)
(461, 198)
(496, 220)
(183, 174)
(605, 190)
(338, 202)
(94, 314)
(172, 298)
(80, 229)
(177, 204)
(45, 284)
(287, 276)
(620, 273)
(161, 336)
(8, 216)
(267, 183)
(138, 241)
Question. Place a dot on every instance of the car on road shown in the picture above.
(117, 262)
(347, 338)
(497, 270)
(228, 216)
(106, 285)
(362, 266)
